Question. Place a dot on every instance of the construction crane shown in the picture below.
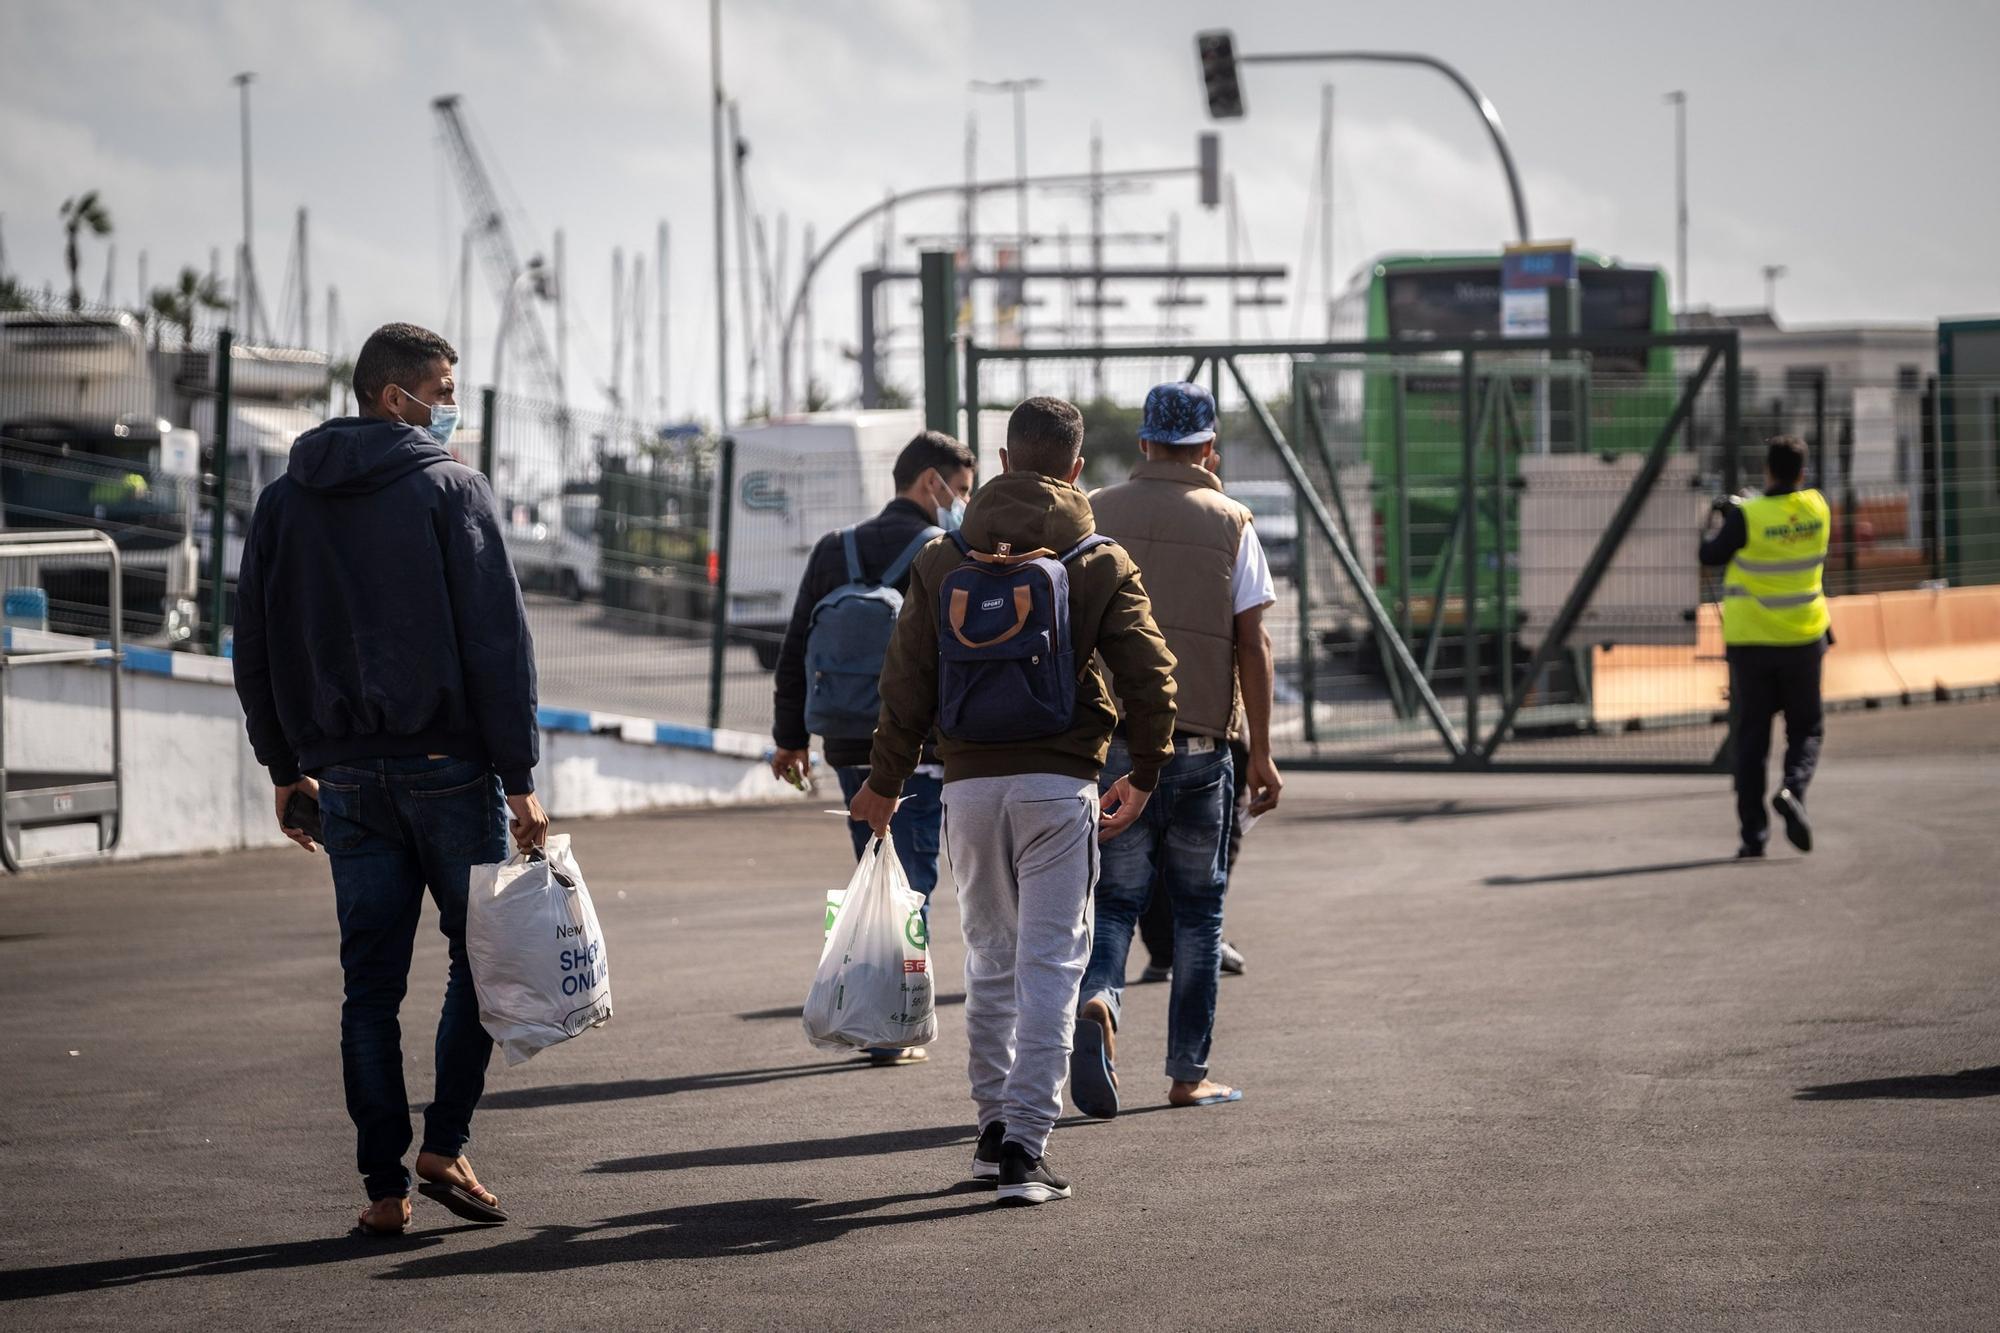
(488, 226)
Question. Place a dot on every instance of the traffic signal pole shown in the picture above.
(1216, 50)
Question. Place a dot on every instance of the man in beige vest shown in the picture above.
(1209, 582)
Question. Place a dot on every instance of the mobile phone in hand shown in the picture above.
(302, 813)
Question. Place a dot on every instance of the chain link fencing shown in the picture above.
(1586, 634)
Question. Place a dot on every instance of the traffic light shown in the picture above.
(1217, 49)
(1209, 145)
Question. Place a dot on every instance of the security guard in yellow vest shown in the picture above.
(1774, 628)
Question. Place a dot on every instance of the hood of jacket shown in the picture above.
(1027, 511)
(360, 455)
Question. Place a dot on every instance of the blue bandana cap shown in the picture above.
(1181, 413)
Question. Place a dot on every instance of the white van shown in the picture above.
(553, 542)
(797, 480)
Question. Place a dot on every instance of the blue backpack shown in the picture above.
(1006, 663)
(847, 640)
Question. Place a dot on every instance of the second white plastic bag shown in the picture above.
(873, 989)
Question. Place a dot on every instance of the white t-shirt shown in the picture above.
(1250, 581)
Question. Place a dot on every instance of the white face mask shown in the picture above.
(443, 420)
(951, 513)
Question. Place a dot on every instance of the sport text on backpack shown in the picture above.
(1006, 662)
(847, 640)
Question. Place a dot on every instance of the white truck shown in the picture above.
(797, 480)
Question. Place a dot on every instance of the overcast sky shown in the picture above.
(1850, 142)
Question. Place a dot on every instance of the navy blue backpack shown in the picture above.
(1006, 663)
(847, 640)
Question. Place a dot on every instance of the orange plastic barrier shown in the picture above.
(1635, 682)
(1858, 666)
(1943, 639)
(1886, 646)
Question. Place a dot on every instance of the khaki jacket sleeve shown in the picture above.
(1142, 675)
(909, 689)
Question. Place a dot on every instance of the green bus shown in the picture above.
(1629, 393)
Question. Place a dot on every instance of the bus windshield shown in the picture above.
(1465, 303)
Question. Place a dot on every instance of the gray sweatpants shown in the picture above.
(1024, 852)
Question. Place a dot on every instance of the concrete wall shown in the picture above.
(192, 785)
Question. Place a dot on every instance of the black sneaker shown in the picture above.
(1026, 1180)
(1798, 830)
(1750, 851)
(986, 1157)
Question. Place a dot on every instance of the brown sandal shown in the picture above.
(367, 1228)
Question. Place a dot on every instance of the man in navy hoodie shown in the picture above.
(385, 668)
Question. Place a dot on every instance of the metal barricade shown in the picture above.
(39, 798)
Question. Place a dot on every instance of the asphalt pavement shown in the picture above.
(1518, 1053)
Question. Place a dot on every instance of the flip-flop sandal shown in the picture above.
(461, 1201)
(1219, 1099)
(379, 1233)
(1091, 1085)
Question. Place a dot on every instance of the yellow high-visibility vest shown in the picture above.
(1771, 590)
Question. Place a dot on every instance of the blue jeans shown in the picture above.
(1180, 842)
(394, 828)
(914, 830)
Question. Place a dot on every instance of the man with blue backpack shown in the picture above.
(998, 648)
(832, 654)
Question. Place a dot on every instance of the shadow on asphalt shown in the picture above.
(579, 1094)
(820, 1150)
(1614, 872)
(68, 1279)
(795, 1011)
(797, 1150)
(697, 1231)
(1410, 812)
(1965, 1083)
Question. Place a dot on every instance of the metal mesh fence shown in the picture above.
(1637, 676)
(112, 422)
(607, 519)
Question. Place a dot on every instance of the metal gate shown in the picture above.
(1493, 565)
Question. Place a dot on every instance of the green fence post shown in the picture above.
(218, 521)
(1504, 432)
(489, 421)
(972, 409)
(940, 306)
(1468, 619)
(1302, 566)
(718, 640)
(1819, 477)
(1403, 572)
(1849, 499)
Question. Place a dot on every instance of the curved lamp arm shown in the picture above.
(1487, 111)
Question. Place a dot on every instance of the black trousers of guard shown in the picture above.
(1764, 681)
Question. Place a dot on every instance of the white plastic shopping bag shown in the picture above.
(536, 950)
(873, 988)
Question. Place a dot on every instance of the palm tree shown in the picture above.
(13, 296)
(182, 303)
(83, 211)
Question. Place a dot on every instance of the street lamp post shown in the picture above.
(721, 252)
(1217, 51)
(246, 294)
(1207, 168)
(1679, 102)
(1019, 90)
(1772, 272)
